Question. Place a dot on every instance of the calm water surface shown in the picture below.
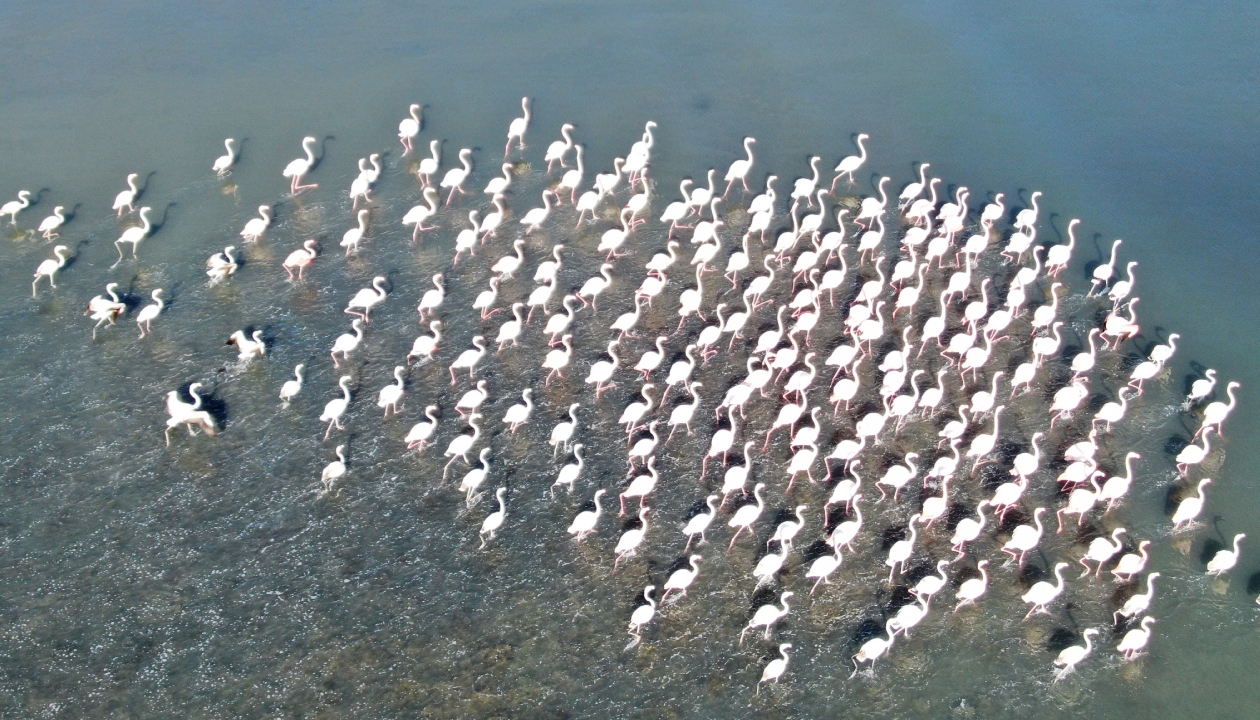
(210, 579)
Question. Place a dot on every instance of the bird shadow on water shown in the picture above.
(1061, 638)
(323, 150)
(1253, 584)
(74, 256)
(899, 597)
(1014, 517)
(130, 297)
(212, 403)
(957, 512)
(1211, 546)
(161, 223)
(1089, 267)
(996, 473)
(1033, 573)
(1173, 495)
(815, 550)
(892, 535)
(869, 628)
(1175, 444)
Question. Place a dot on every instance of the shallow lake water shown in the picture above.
(211, 578)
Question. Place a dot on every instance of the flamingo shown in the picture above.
(297, 169)
(571, 180)
(1215, 413)
(291, 388)
(498, 185)
(1100, 551)
(805, 187)
(744, 518)
(562, 433)
(432, 299)
(517, 128)
(901, 550)
(1200, 389)
(601, 372)
(223, 164)
(467, 238)
(992, 212)
(409, 128)
(1105, 271)
(126, 198)
(48, 226)
(972, 589)
(643, 614)
(1040, 595)
(739, 169)
(872, 208)
(422, 431)
(677, 210)
(1026, 219)
(300, 259)
(1072, 655)
(418, 214)
(248, 348)
(968, 530)
(852, 163)
(570, 472)
(1121, 289)
(737, 475)
(914, 189)
(366, 299)
(455, 177)
(429, 165)
(335, 408)
(222, 265)
(641, 486)
(719, 444)
(149, 313)
(1192, 455)
(823, 567)
(1136, 639)
(767, 615)
(469, 358)
(628, 543)
(49, 268)
(474, 478)
(510, 330)
(350, 240)
(1080, 502)
(494, 520)
(334, 470)
(929, 585)
(557, 360)
(134, 235)
(874, 648)
(934, 506)
(775, 668)
(462, 443)
(392, 394)
(596, 285)
(559, 148)
(682, 414)
(1138, 602)
(548, 270)
(644, 447)
(682, 578)
(1116, 487)
(1225, 560)
(700, 522)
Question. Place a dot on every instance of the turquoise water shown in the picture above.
(209, 579)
